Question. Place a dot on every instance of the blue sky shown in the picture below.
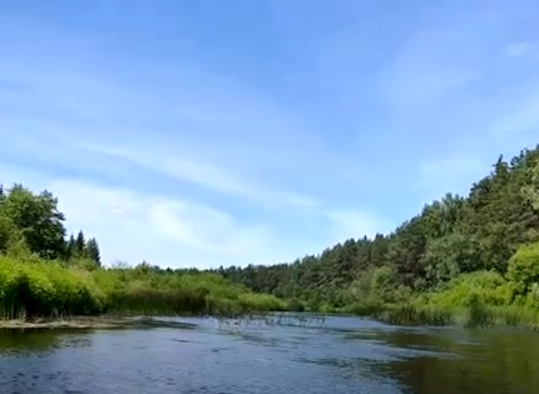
(200, 133)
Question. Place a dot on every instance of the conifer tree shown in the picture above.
(80, 244)
(92, 251)
(71, 248)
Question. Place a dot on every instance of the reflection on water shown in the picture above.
(339, 355)
(19, 341)
(485, 362)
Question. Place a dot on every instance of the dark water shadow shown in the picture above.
(41, 341)
(457, 361)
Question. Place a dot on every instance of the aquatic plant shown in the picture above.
(410, 314)
(479, 315)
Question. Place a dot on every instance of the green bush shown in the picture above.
(489, 287)
(295, 305)
(523, 268)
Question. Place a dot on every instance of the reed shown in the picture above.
(411, 314)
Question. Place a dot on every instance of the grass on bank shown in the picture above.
(32, 288)
(475, 300)
(475, 316)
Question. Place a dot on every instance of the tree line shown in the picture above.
(449, 238)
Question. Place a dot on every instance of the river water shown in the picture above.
(337, 355)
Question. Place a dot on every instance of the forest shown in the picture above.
(471, 258)
(461, 254)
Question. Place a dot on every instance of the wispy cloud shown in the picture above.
(205, 174)
(517, 49)
(132, 225)
(443, 167)
(520, 121)
(355, 223)
(192, 142)
(430, 63)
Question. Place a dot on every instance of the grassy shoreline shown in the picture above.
(49, 294)
(31, 289)
(474, 316)
(405, 315)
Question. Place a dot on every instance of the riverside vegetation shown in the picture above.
(45, 275)
(472, 260)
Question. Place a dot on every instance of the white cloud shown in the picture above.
(132, 226)
(517, 49)
(187, 168)
(449, 166)
(160, 229)
(185, 147)
(76, 153)
(449, 51)
(429, 64)
(453, 174)
(353, 223)
(520, 119)
(94, 111)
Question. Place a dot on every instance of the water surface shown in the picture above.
(339, 355)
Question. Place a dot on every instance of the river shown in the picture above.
(336, 355)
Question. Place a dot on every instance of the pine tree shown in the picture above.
(92, 251)
(80, 244)
(534, 195)
(71, 249)
(531, 191)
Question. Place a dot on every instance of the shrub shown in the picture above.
(523, 268)
(489, 287)
(295, 305)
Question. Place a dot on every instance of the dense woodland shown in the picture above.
(474, 236)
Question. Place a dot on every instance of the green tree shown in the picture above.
(448, 256)
(80, 245)
(6, 231)
(531, 191)
(92, 251)
(38, 219)
(71, 248)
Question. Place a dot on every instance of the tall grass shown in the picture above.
(474, 300)
(479, 314)
(410, 314)
(37, 288)
(475, 315)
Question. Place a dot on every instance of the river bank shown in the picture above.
(41, 289)
(76, 322)
(476, 315)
